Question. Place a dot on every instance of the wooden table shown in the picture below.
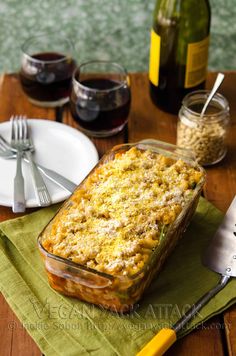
(217, 337)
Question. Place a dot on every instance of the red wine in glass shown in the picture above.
(46, 77)
(101, 105)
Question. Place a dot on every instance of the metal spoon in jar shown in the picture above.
(219, 80)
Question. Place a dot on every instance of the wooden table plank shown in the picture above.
(201, 342)
(221, 188)
(230, 324)
(221, 178)
(14, 338)
(6, 332)
(14, 102)
(102, 144)
(145, 121)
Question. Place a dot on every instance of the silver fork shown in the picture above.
(19, 189)
(41, 191)
(8, 152)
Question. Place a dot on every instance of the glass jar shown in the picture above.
(205, 136)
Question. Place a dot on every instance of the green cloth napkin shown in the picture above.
(67, 326)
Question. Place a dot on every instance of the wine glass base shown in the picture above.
(49, 104)
(103, 133)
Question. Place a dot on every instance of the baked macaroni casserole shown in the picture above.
(121, 213)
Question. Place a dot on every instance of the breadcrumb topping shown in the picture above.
(116, 218)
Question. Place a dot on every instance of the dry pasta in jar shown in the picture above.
(205, 136)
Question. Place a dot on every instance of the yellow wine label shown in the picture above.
(154, 62)
(196, 64)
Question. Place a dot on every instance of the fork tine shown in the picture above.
(20, 129)
(25, 128)
(17, 126)
(28, 137)
(13, 133)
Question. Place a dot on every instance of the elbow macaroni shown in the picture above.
(115, 220)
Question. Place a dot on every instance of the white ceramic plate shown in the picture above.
(58, 147)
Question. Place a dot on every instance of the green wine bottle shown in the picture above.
(178, 51)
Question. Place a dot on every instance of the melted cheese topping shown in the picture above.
(116, 219)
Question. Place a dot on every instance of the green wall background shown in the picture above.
(112, 29)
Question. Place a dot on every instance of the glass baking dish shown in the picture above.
(120, 292)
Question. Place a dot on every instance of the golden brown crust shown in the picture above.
(117, 217)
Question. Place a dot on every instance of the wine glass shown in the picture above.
(46, 69)
(100, 98)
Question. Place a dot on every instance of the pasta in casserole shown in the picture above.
(114, 233)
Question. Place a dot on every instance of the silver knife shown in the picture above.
(57, 178)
